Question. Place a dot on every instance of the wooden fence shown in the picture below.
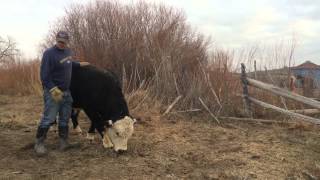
(277, 91)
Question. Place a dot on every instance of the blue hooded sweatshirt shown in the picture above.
(56, 68)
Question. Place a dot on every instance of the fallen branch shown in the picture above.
(255, 120)
(171, 105)
(306, 111)
(190, 110)
(206, 107)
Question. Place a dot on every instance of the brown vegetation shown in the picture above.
(154, 51)
(158, 58)
(161, 148)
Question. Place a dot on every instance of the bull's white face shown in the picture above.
(118, 135)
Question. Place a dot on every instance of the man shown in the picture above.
(55, 73)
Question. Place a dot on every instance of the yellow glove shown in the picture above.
(84, 63)
(56, 94)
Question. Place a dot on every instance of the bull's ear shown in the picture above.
(110, 123)
(133, 119)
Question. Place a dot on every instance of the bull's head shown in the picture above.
(118, 134)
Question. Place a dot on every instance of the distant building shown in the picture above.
(307, 70)
(307, 77)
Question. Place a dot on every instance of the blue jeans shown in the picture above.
(52, 109)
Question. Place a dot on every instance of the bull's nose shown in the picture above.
(121, 151)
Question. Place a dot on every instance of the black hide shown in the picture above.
(98, 92)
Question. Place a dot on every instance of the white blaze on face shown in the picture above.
(120, 133)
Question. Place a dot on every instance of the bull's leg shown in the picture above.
(105, 138)
(92, 128)
(94, 117)
(90, 136)
(74, 118)
(106, 141)
(91, 132)
(100, 128)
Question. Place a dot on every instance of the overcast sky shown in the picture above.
(232, 24)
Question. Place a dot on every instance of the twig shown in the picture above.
(175, 83)
(255, 69)
(144, 98)
(255, 120)
(206, 107)
(310, 176)
(282, 99)
(190, 110)
(171, 105)
(124, 78)
(207, 78)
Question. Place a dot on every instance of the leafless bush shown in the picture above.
(152, 44)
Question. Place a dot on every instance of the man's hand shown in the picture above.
(84, 63)
(57, 94)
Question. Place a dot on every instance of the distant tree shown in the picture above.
(7, 49)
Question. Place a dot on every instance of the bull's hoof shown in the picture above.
(119, 152)
(78, 130)
(107, 144)
(90, 136)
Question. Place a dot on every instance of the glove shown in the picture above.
(56, 94)
(84, 64)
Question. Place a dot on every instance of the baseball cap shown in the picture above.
(62, 36)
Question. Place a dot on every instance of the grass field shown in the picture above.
(161, 148)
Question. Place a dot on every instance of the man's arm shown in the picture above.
(45, 71)
(76, 61)
(84, 63)
(78, 64)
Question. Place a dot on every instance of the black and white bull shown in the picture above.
(99, 94)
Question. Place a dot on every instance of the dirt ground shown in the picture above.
(161, 148)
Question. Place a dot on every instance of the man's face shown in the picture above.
(61, 44)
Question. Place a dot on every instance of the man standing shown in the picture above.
(55, 73)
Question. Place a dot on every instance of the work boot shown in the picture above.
(40, 137)
(63, 141)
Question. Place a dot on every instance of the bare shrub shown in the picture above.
(20, 77)
(17, 76)
(152, 44)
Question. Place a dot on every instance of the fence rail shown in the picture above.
(277, 91)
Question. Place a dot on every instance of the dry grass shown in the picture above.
(161, 148)
(20, 77)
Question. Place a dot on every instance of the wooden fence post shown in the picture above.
(246, 101)
(278, 91)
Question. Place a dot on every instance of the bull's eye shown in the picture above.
(117, 133)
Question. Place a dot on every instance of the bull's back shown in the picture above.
(90, 85)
